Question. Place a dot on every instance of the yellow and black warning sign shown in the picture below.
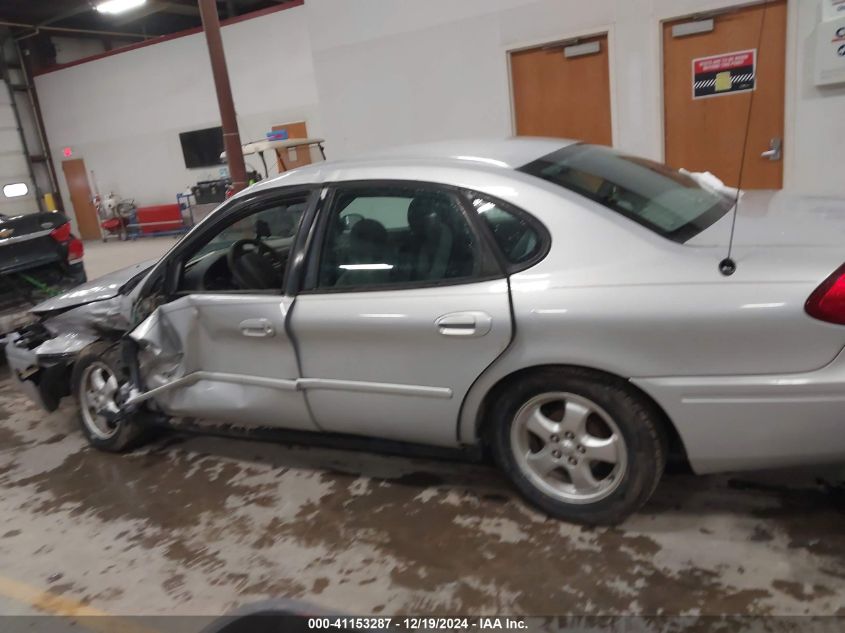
(725, 74)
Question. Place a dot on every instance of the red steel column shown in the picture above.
(231, 136)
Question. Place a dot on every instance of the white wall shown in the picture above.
(123, 114)
(396, 71)
(372, 73)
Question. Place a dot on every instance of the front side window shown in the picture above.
(662, 199)
(248, 254)
(385, 235)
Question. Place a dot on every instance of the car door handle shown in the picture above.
(467, 324)
(257, 328)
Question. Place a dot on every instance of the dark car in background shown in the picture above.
(39, 257)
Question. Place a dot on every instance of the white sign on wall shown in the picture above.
(830, 51)
(832, 9)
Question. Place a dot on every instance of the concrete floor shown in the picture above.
(198, 525)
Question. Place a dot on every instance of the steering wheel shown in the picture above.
(254, 265)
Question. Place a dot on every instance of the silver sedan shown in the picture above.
(556, 304)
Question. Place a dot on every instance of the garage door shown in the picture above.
(17, 193)
(563, 90)
(710, 71)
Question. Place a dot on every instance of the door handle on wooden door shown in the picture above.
(775, 150)
(466, 324)
(257, 328)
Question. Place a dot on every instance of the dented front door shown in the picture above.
(224, 357)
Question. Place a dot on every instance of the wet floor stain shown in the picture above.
(213, 521)
(54, 439)
(800, 591)
(10, 439)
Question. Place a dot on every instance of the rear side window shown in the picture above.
(662, 199)
(517, 239)
(396, 235)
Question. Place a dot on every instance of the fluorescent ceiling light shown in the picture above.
(118, 6)
(15, 190)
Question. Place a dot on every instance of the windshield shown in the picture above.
(664, 200)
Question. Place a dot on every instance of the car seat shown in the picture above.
(368, 244)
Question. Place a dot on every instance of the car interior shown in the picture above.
(250, 254)
(380, 239)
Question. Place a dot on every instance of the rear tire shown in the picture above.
(580, 445)
(97, 375)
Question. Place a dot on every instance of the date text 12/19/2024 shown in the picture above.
(418, 624)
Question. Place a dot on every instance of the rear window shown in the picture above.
(664, 200)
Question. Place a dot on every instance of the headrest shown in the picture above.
(426, 207)
(367, 230)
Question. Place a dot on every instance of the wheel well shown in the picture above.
(677, 451)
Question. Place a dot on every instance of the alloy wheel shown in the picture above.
(97, 393)
(568, 447)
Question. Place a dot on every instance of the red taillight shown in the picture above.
(828, 300)
(61, 233)
(75, 251)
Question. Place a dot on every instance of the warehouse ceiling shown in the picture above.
(155, 17)
(34, 23)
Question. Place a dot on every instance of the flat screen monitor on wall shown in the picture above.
(202, 148)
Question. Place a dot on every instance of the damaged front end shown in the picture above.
(41, 355)
(46, 383)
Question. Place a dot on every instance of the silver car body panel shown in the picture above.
(745, 375)
(749, 422)
(378, 363)
(99, 289)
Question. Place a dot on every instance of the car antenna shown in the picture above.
(728, 265)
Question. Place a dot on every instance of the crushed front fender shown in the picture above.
(41, 355)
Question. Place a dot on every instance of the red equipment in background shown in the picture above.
(160, 218)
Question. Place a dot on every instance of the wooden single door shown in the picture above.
(295, 156)
(706, 113)
(87, 222)
(563, 96)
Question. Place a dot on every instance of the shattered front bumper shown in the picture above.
(44, 380)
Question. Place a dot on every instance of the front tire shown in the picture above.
(97, 376)
(580, 445)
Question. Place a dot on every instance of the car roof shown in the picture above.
(485, 154)
(506, 152)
